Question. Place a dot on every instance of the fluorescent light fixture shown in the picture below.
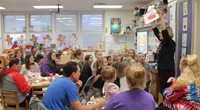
(64, 18)
(2, 8)
(107, 6)
(47, 7)
(20, 19)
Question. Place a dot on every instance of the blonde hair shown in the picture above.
(136, 76)
(170, 32)
(108, 73)
(190, 74)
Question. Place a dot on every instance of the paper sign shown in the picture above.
(185, 8)
(151, 16)
(185, 24)
(184, 39)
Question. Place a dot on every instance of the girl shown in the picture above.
(98, 82)
(49, 65)
(124, 55)
(131, 53)
(109, 75)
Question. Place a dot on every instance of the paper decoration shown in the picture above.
(183, 51)
(34, 39)
(120, 39)
(9, 40)
(150, 16)
(21, 40)
(185, 8)
(61, 39)
(115, 47)
(74, 41)
(101, 45)
(47, 41)
(184, 39)
(185, 24)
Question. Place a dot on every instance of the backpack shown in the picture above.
(36, 104)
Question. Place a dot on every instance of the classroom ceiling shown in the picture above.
(69, 5)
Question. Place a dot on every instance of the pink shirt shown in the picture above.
(110, 89)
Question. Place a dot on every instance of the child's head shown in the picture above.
(32, 67)
(89, 58)
(120, 68)
(109, 59)
(102, 62)
(124, 52)
(109, 74)
(141, 58)
(136, 77)
(130, 61)
(98, 54)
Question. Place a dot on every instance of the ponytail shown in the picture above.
(1, 74)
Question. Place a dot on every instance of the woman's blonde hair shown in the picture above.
(170, 32)
(191, 72)
(136, 76)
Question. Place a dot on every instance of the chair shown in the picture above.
(83, 94)
(39, 91)
(12, 99)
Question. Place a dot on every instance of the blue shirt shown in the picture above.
(60, 93)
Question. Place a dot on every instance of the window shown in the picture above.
(15, 23)
(92, 30)
(65, 23)
(40, 23)
(14, 30)
(92, 22)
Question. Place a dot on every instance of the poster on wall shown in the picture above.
(142, 42)
(101, 45)
(172, 16)
(184, 39)
(185, 8)
(183, 51)
(115, 25)
(115, 47)
(153, 42)
(185, 20)
(109, 39)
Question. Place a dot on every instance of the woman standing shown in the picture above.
(50, 65)
(165, 53)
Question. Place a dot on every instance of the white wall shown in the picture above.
(125, 19)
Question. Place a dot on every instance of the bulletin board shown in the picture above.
(184, 29)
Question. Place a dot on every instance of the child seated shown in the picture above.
(32, 72)
(109, 75)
